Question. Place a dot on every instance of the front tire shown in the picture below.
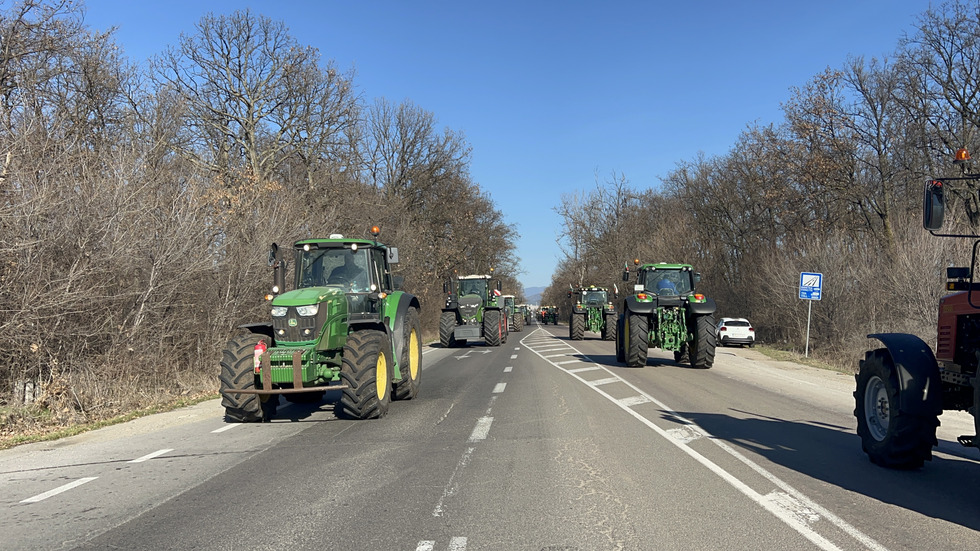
(890, 437)
(366, 369)
(702, 349)
(447, 324)
(411, 360)
(238, 373)
(637, 340)
(491, 327)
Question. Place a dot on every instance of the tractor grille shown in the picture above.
(295, 328)
(468, 307)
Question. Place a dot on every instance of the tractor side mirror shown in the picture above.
(445, 287)
(933, 205)
(697, 277)
(393, 255)
(273, 254)
(626, 275)
(397, 282)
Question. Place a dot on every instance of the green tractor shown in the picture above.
(473, 311)
(527, 313)
(515, 318)
(665, 312)
(593, 311)
(345, 326)
(549, 314)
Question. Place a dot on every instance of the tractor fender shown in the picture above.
(636, 307)
(920, 388)
(405, 301)
(702, 308)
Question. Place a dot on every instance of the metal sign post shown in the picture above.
(811, 285)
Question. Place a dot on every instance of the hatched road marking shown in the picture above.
(787, 504)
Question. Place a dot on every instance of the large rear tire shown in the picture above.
(491, 327)
(890, 437)
(702, 349)
(518, 323)
(447, 324)
(367, 370)
(637, 340)
(411, 360)
(609, 328)
(576, 326)
(238, 373)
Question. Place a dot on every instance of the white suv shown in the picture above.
(735, 331)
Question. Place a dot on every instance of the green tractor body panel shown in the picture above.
(676, 318)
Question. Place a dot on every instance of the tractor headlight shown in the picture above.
(279, 311)
(307, 310)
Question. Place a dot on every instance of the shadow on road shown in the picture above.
(945, 488)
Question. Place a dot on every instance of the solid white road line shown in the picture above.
(59, 489)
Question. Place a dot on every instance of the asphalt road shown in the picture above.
(540, 444)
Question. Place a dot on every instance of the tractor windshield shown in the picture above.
(668, 282)
(594, 297)
(473, 287)
(340, 267)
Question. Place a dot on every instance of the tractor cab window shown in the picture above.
(663, 282)
(594, 297)
(340, 267)
(473, 287)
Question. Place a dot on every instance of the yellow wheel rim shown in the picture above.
(413, 355)
(381, 376)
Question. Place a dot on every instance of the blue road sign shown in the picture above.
(810, 286)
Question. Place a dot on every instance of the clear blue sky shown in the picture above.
(550, 94)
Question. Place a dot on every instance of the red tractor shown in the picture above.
(903, 388)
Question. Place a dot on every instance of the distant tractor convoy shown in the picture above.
(549, 314)
(346, 325)
(593, 311)
(472, 311)
(665, 312)
(902, 388)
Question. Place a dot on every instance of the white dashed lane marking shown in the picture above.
(150, 456)
(59, 489)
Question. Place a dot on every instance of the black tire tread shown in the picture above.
(637, 341)
(576, 326)
(238, 373)
(408, 388)
(360, 400)
(491, 328)
(702, 349)
(910, 438)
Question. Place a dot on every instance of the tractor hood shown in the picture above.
(469, 305)
(308, 295)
